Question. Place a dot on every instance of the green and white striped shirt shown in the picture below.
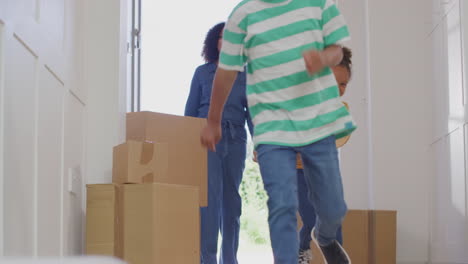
(288, 106)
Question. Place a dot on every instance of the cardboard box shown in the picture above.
(140, 162)
(143, 223)
(160, 224)
(369, 237)
(101, 208)
(187, 158)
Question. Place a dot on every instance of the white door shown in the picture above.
(42, 111)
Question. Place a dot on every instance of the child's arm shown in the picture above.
(317, 60)
(222, 85)
(335, 32)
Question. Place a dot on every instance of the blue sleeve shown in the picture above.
(193, 101)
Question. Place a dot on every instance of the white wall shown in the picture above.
(449, 219)
(356, 155)
(62, 105)
(410, 155)
(105, 59)
(400, 63)
(2, 84)
(387, 164)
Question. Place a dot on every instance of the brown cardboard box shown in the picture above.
(160, 224)
(187, 158)
(139, 162)
(101, 207)
(369, 237)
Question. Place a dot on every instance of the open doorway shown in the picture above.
(171, 43)
(167, 45)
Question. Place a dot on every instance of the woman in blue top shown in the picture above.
(226, 165)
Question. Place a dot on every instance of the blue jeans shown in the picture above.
(225, 169)
(307, 213)
(325, 191)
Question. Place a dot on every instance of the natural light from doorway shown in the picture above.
(172, 35)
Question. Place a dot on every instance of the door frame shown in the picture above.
(135, 50)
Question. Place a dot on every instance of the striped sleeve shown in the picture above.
(335, 30)
(232, 56)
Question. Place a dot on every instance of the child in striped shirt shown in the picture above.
(288, 47)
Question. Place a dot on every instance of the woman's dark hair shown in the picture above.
(346, 61)
(210, 52)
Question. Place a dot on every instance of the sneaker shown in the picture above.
(333, 253)
(305, 256)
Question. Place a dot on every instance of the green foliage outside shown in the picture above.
(254, 204)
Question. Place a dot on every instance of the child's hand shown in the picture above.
(210, 136)
(313, 61)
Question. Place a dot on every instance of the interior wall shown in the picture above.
(387, 164)
(400, 62)
(449, 220)
(356, 169)
(106, 61)
(2, 84)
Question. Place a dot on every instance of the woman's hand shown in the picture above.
(211, 135)
(255, 156)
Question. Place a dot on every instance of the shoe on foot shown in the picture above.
(333, 253)
(305, 256)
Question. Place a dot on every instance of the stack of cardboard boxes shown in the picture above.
(150, 212)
